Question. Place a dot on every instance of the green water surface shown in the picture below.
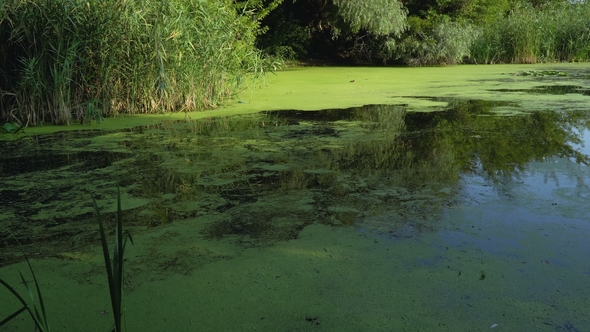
(323, 199)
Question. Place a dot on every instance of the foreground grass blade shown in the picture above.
(11, 317)
(107, 262)
(43, 316)
(114, 267)
(21, 300)
(39, 317)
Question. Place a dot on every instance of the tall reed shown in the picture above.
(120, 56)
(560, 32)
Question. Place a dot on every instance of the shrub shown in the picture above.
(445, 42)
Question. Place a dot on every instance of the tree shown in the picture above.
(329, 28)
(476, 11)
(407, 31)
(257, 9)
(379, 17)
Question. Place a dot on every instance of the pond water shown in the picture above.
(468, 215)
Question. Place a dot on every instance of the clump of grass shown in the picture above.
(80, 60)
(36, 308)
(114, 268)
(560, 32)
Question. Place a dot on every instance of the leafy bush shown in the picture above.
(446, 42)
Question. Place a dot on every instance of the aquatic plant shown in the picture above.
(36, 309)
(558, 32)
(83, 60)
(541, 73)
(113, 267)
(10, 128)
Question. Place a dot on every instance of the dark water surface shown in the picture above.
(552, 90)
(499, 203)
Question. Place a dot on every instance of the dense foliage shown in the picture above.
(73, 59)
(556, 32)
(333, 29)
(431, 31)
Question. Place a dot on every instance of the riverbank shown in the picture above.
(314, 88)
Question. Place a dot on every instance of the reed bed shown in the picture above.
(73, 60)
(559, 32)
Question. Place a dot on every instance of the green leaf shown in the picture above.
(9, 127)
(114, 267)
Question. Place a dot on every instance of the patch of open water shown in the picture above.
(460, 219)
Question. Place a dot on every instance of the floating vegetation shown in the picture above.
(266, 176)
(551, 90)
(10, 128)
(540, 73)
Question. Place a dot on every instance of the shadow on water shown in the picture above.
(83, 161)
(266, 176)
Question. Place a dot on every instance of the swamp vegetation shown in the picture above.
(458, 200)
(432, 32)
(325, 198)
(65, 62)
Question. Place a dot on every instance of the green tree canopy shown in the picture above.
(380, 17)
(330, 28)
(405, 31)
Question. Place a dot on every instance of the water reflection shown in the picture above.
(551, 90)
(266, 176)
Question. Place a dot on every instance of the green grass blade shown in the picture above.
(43, 317)
(115, 267)
(118, 256)
(38, 316)
(23, 302)
(11, 317)
(118, 261)
(14, 292)
(107, 260)
(127, 236)
(26, 283)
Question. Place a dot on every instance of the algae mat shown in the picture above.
(456, 201)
